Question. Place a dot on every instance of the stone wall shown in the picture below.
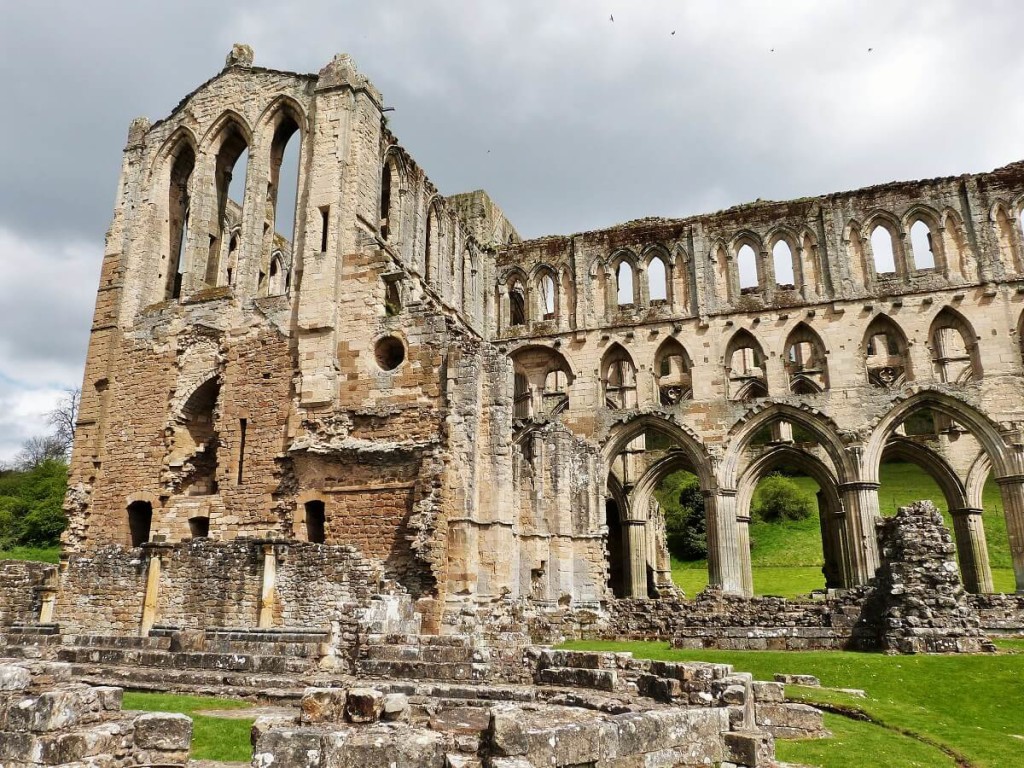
(207, 584)
(20, 599)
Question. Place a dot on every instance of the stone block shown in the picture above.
(749, 748)
(790, 720)
(14, 678)
(364, 705)
(323, 705)
(806, 680)
(765, 691)
(395, 707)
(384, 746)
(163, 731)
(289, 748)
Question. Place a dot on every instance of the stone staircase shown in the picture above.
(273, 664)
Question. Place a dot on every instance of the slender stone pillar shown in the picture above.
(151, 601)
(972, 549)
(1012, 490)
(634, 541)
(725, 566)
(860, 501)
(268, 590)
(746, 569)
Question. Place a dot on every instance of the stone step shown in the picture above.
(202, 682)
(450, 641)
(34, 629)
(256, 635)
(119, 641)
(433, 654)
(422, 670)
(227, 662)
(578, 677)
(26, 639)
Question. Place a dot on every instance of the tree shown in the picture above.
(63, 417)
(779, 498)
(37, 450)
(682, 502)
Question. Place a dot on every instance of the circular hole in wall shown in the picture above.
(390, 353)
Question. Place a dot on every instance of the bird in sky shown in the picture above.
(611, 17)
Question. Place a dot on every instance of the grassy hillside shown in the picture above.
(787, 558)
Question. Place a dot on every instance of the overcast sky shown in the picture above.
(571, 120)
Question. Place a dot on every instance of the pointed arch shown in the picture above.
(857, 254)
(543, 376)
(624, 272)
(954, 348)
(959, 258)
(517, 310)
(810, 276)
(682, 439)
(657, 279)
(672, 369)
(1007, 236)
(723, 284)
(744, 367)
(886, 353)
(805, 361)
(618, 378)
(432, 249)
(229, 142)
(182, 163)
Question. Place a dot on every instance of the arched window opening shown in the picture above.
(954, 349)
(517, 304)
(885, 349)
(745, 368)
(883, 251)
(316, 522)
(672, 367)
(385, 199)
(522, 406)
(547, 285)
(277, 275)
(746, 261)
(196, 441)
(614, 552)
(230, 174)
(618, 374)
(178, 214)
(782, 258)
(199, 527)
(281, 197)
(805, 362)
(657, 280)
(555, 396)
(722, 283)
(429, 245)
(922, 244)
(624, 284)
(140, 521)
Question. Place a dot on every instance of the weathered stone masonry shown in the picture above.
(401, 378)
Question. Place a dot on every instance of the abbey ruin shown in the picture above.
(398, 419)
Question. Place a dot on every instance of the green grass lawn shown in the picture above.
(971, 706)
(39, 554)
(787, 559)
(213, 738)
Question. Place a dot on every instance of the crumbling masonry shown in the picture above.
(402, 396)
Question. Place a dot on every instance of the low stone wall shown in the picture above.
(204, 583)
(20, 599)
(1000, 614)
(45, 719)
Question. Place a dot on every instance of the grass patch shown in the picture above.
(970, 705)
(213, 738)
(786, 556)
(858, 744)
(39, 554)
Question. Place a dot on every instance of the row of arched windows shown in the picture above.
(210, 251)
(952, 345)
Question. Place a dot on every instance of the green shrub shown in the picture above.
(779, 498)
(681, 501)
(31, 504)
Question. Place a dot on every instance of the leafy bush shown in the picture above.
(680, 499)
(31, 504)
(779, 498)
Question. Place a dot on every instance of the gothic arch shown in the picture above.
(624, 432)
(805, 360)
(954, 348)
(672, 369)
(904, 449)
(744, 362)
(813, 421)
(227, 120)
(618, 378)
(886, 351)
(983, 430)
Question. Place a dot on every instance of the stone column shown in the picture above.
(1012, 490)
(972, 549)
(268, 589)
(634, 542)
(746, 569)
(151, 600)
(725, 565)
(860, 501)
